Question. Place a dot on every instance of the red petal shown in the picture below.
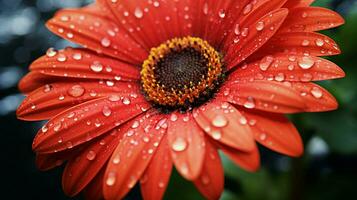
(132, 156)
(81, 169)
(308, 19)
(51, 99)
(252, 36)
(170, 19)
(274, 131)
(221, 14)
(94, 190)
(81, 63)
(96, 33)
(284, 67)
(225, 124)
(34, 80)
(262, 95)
(317, 99)
(298, 3)
(46, 162)
(86, 121)
(211, 181)
(187, 142)
(249, 161)
(301, 43)
(157, 175)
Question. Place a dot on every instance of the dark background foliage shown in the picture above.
(328, 169)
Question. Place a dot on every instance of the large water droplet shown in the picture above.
(316, 92)
(266, 62)
(51, 52)
(76, 91)
(259, 26)
(217, 135)
(249, 103)
(105, 42)
(179, 144)
(106, 111)
(138, 13)
(111, 179)
(306, 62)
(96, 66)
(219, 121)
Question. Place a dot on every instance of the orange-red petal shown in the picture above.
(156, 177)
(186, 141)
(132, 156)
(81, 169)
(211, 180)
(225, 124)
(274, 131)
(86, 121)
(262, 95)
(51, 99)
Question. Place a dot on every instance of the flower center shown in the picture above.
(181, 72)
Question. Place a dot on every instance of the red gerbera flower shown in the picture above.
(163, 83)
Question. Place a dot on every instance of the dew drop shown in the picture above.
(77, 56)
(179, 144)
(306, 62)
(126, 101)
(76, 91)
(260, 26)
(280, 77)
(91, 155)
(138, 13)
(61, 58)
(51, 52)
(105, 42)
(173, 117)
(220, 121)
(222, 13)
(316, 92)
(249, 103)
(111, 179)
(305, 43)
(96, 66)
(106, 111)
(319, 42)
(217, 135)
(266, 62)
(116, 159)
(57, 127)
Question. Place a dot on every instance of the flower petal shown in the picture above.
(156, 177)
(186, 141)
(96, 33)
(170, 19)
(51, 99)
(298, 3)
(282, 67)
(46, 162)
(94, 190)
(252, 36)
(34, 80)
(86, 121)
(249, 161)
(81, 63)
(225, 124)
(316, 98)
(308, 19)
(81, 169)
(211, 181)
(132, 156)
(300, 43)
(262, 95)
(274, 131)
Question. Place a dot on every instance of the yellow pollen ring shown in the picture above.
(159, 93)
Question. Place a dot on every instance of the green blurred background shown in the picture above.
(327, 170)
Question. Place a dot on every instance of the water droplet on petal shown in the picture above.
(91, 155)
(173, 117)
(319, 42)
(222, 13)
(116, 159)
(96, 66)
(51, 52)
(76, 91)
(217, 135)
(249, 103)
(306, 62)
(179, 144)
(106, 111)
(126, 101)
(220, 121)
(260, 26)
(111, 179)
(266, 62)
(316, 92)
(105, 42)
(138, 13)
(77, 56)
(61, 58)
